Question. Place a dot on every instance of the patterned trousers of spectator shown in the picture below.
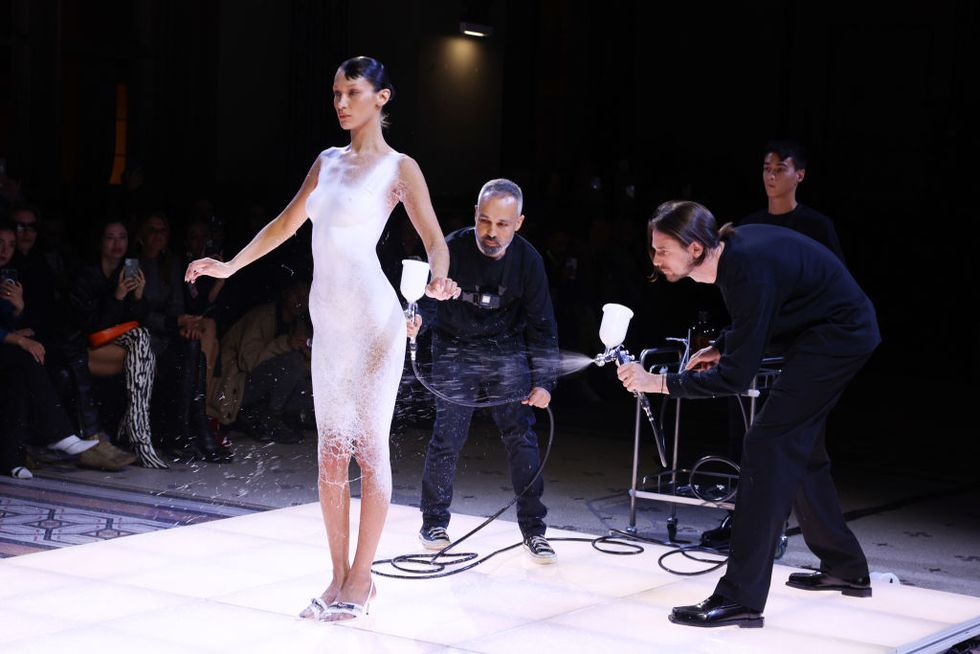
(139, 366)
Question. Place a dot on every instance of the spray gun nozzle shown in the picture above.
(617, 354)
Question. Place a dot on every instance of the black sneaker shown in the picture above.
(540, 550)
(434, 538)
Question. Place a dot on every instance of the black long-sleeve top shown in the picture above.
(8, 322)
(42, 311)
(804, 220)
(525, 313)
(93, 302)
(784, 293)
(164, 295)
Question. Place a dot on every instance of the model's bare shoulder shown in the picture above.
(330, 153)
(407, 166)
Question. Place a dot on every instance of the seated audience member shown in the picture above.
(39, 280)
(45, 314)
(265, 364)
(182, 342)
(200, 297)
(28, 401)
(103, 296)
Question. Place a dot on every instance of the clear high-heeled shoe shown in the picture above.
(351, 609)
(315, 610)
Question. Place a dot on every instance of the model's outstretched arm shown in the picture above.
(268, 239)
(418, 205)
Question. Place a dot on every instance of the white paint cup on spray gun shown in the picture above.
(615, 322)
(415, 276)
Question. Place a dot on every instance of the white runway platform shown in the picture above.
(236, 585)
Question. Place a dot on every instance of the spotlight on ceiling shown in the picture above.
(476, 29)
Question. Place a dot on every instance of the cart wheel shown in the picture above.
(781, 547)
(671, 529)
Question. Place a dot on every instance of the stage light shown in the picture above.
(476, 29)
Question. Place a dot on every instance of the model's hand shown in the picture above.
(538, 397)
(637, 380)
(703, 359)
(443, 288)
(413, 326)
(208, 267)
(13, 292)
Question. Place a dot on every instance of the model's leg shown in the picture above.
(334, 493)
(373, 460)
(334, 490)
(374, 401)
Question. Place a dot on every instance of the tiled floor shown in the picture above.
(41, 514)
(235, 585)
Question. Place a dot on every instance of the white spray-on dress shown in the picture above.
(358, 324)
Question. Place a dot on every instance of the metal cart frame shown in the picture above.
(665, 486)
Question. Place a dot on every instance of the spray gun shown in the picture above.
(612, 333)
(415, 275)
(617, 354)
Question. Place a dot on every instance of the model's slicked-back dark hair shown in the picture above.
(786, 148)
(370, 69)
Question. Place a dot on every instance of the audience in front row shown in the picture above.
(105, 296)
(30, 407)
(265, 368)
(182, 343)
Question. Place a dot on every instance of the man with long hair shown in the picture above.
(789, 294)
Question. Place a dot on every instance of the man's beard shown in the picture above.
(670, 277)
(489, 250)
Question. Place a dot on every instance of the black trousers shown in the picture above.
(460, 371)
(785, 465)
(31, 408)
(284, 382)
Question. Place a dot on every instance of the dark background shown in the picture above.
(230, 101)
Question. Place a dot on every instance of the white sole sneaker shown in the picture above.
(541, 555)
(434, 544)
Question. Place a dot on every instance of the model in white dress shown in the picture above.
(358, 324)
(359, 329)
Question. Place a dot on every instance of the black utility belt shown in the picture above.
(482, 299)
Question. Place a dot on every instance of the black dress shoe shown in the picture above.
(716, 611)
(860, 587)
